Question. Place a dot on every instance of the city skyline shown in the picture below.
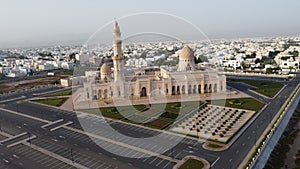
(34, 23)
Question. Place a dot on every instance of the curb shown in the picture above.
(205, 163)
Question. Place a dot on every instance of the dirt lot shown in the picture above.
(27, 84)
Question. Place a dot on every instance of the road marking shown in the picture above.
(160, 162)
(52, 123)
(53, 155)
(25, 115)
(12, 137)
(21, 97)
(96, 136)
(21, 141)
(152, 160)
(167, 164)
(215, 162)
(63, 125)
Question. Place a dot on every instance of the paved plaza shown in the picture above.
(214, 123)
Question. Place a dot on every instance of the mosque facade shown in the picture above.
(118, 82)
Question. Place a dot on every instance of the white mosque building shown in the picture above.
(119, 82)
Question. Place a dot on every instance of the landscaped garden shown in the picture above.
(266, 88)
(62, 93)
(240, 103)
(192, 164)
(52, 102)
(157, 116)
(215, 123)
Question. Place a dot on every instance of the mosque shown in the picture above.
(118, 82)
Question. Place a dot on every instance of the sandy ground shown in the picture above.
(290, 156)
(27, 84)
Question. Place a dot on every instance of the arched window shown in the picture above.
(188, 67)
(144, 92)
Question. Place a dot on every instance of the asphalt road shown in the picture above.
(67, 143)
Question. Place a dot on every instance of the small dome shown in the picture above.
(186, 53)
(105, 68)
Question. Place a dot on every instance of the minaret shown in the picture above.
(118, 53)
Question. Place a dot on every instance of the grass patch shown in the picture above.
(266, 88)
(241, 103)
(192, 164)
(62, 93)
(211, 145)
(52, 102)
(110, 112)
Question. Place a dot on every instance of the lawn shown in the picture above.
(211, 145)
(113, 112)
(268, 89)
(53, 102)
(62, 93)
(240, 103)
(162, 115)
(192, 164)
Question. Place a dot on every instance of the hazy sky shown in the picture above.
(32, 22)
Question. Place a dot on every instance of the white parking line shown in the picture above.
(159, 162)
(153, 147)
(100, 166)
(153, 160)
(21, 141)
(12, 137)
(167, 164)
(94, 164)
(63, 125)
(52, 123)
(56, 165)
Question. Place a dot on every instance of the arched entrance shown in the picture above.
(215, 88)
(144, 92)
(173, 90)
(183, 89)
(105, 94)
(99, 94)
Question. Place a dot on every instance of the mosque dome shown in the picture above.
(105, 69)
(186, 53)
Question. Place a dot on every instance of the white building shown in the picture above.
(185, 79)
